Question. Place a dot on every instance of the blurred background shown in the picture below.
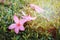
(39, 29)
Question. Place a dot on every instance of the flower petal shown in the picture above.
(28, 18)
(16, 30)
(22, 28)
(37, 8)
(12, 26)
(22, 21)
(16, 19)
(32, 5)
(33, 18)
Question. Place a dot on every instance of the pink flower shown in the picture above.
(28, 18)
(18, 25)
(36, 8)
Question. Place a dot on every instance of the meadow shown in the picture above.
(46, 25)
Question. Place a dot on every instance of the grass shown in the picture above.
(39, 29)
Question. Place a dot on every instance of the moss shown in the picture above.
(35, 30)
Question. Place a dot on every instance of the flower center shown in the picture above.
(18, 24)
